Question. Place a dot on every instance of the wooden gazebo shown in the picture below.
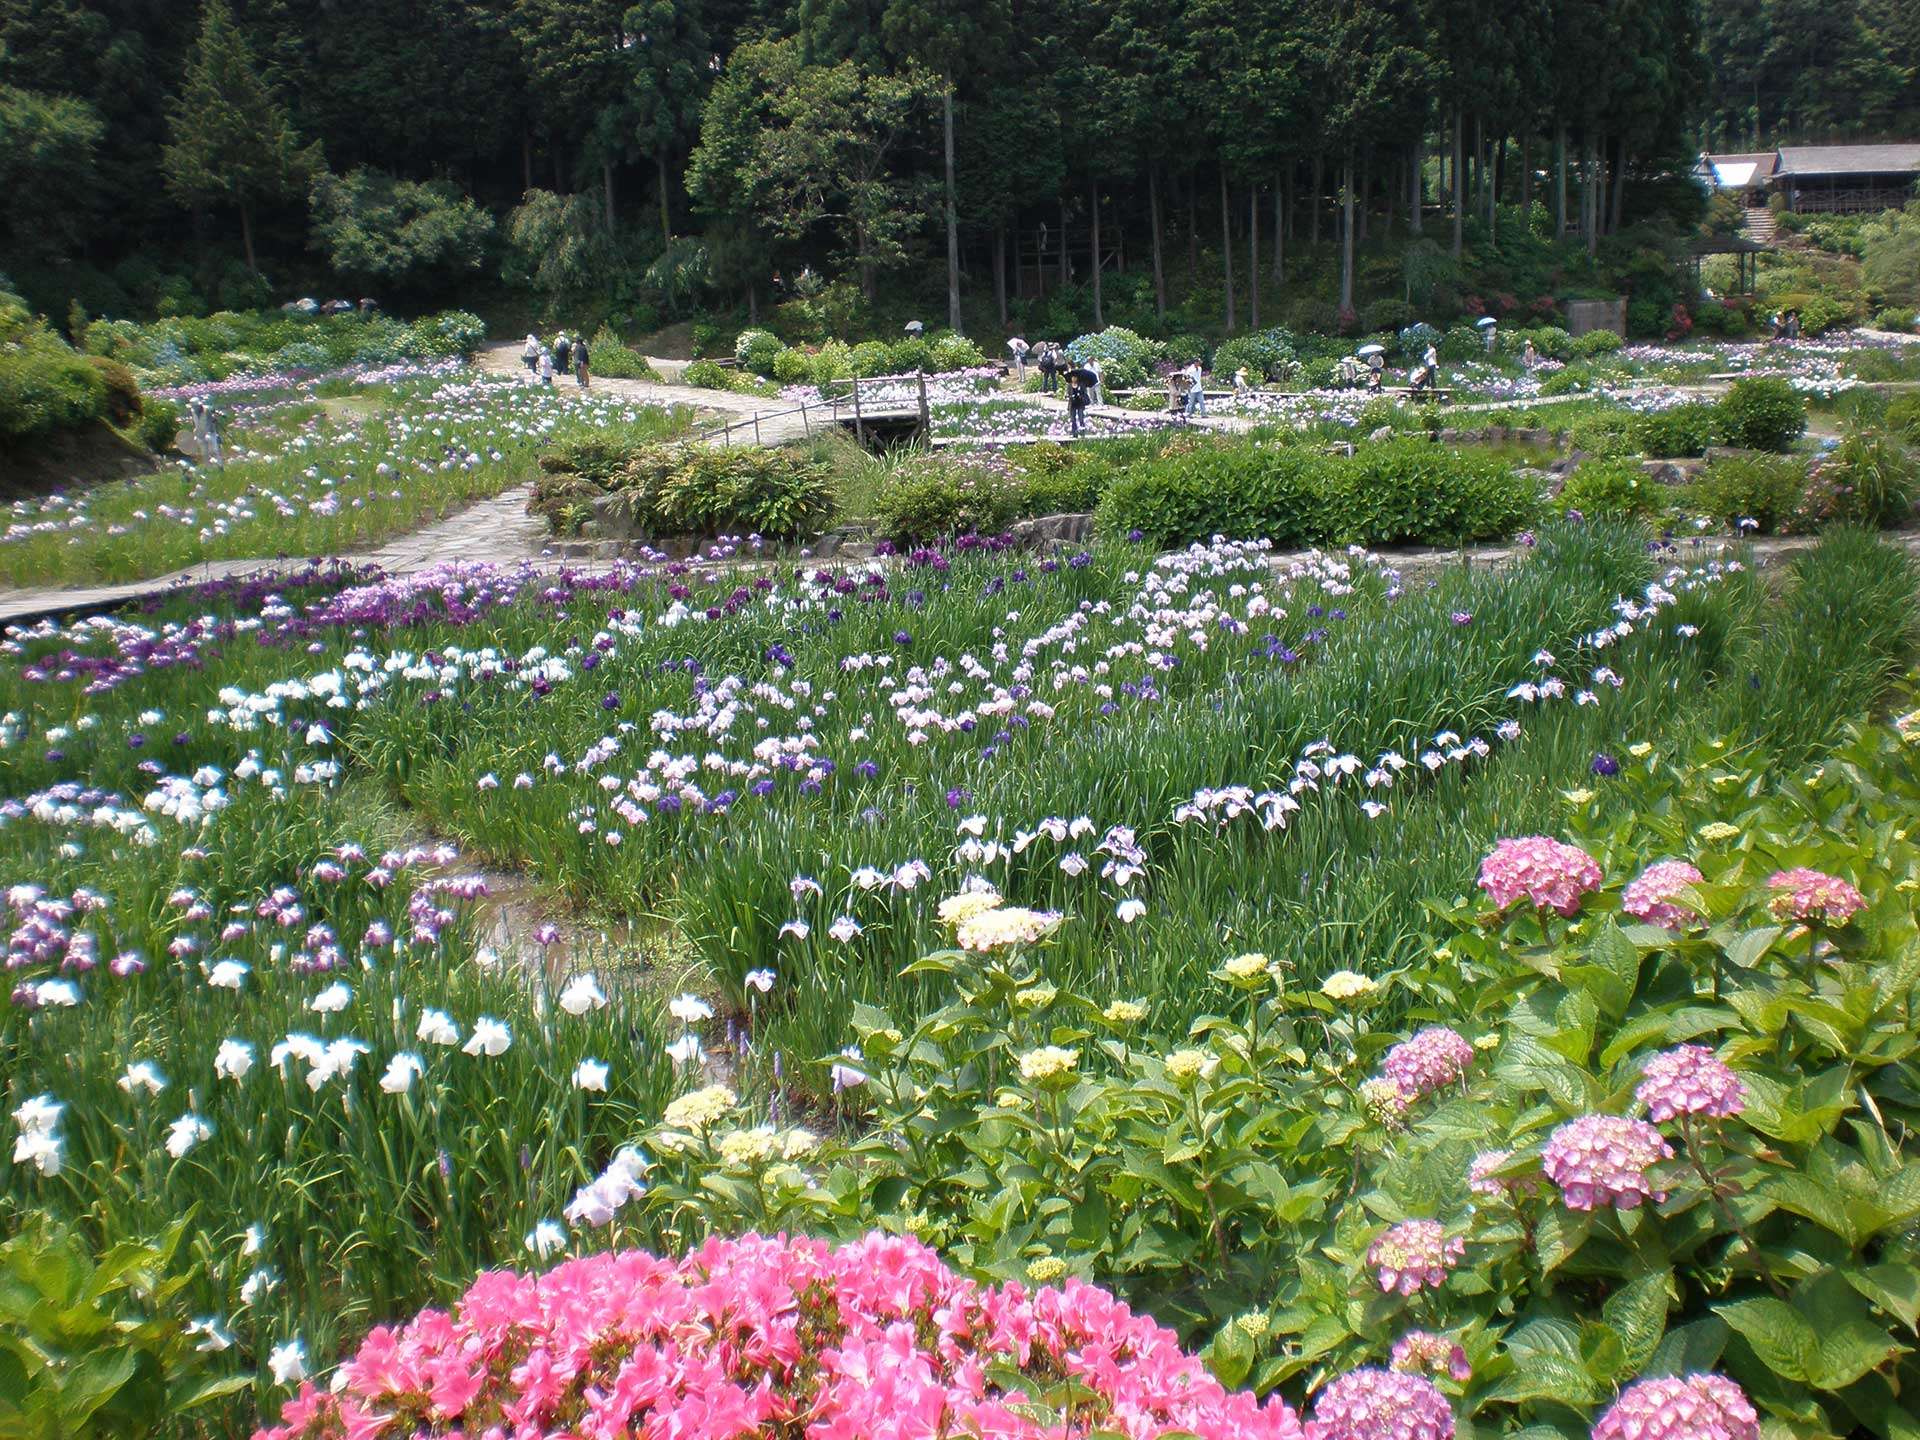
(1740, 247)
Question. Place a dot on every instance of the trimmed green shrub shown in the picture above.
(1125, 356)
(1573, 380)
(158, 425)
(792, 366)
(955, 352)
(1611, 490)
(755, 350)
(614, 359)
(705, 375)
(1896, 318)
(1184, 349)
(1399, 492)
(1762, 413)
(1682, 432)
(1462, 342)
(932, 497)
(871, 357)
(1763, 489)
(833, 361)
(1266, 355)
(910, 355)
(1596, 342)
(45, 386)
(777, 493)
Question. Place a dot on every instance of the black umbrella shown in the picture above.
(1083, 375)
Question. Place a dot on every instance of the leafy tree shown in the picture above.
(375, 227)
(232, 142)
(671, 71)
(795, 146)
(48, 171)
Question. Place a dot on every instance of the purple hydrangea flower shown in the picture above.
(1414, 1255)
(1604, 1160)
(1432, 1060)
(1375, 1404)
(1680, 1407)
(1690, 1080)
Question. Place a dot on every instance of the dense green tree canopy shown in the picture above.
(728, 139)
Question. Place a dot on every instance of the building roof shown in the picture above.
(1735, 172)
(1803, 160)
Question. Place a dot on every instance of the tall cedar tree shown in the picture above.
(231, 140)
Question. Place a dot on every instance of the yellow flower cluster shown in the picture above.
(1247, 969)
(1124, 1012)
(1714, 831)
(1253, 1324)
(1184, 1065)
(1035, 997)
(967, 904)
(698, 1109)
(1047, 1267)
(1011, 925)
(1047, 1062)
(1348, 985)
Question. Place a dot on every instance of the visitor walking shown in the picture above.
(1049, 367)
(1099, 369)
(1241, 386)
(1076, 404)
(546, 368)
(206, 430)
(1196, 392)
(1529, 358)
(562, 353)
(1376, 370)
(1019, 349)
(580, 361)
(530, 356)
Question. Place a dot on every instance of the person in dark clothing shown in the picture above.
(580, 361)
(1049, 367)
(562, 354)
(1077, 400)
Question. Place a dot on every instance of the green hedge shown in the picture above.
(1397, 492)
(1763, 413)
(45, 386)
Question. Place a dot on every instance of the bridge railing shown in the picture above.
(830, 408)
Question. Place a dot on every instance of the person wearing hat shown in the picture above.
(531, 355)
(1376, 369)
(1018, 347)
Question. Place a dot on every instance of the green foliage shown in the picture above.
(1124, 356)
(122, 397)
(49, 172)
(1903, 417)
(1596, 342)
(706, 375)
(1681, 432)
(96, 1343)
(1896, 318)
(1398, 492)
(1612, 490)
(158, 425)
(1267, 355)
(1763, 489)
(1890, 268)
(927, 498)
(687, 490)
(954, 352)
(1573, 380)
(791, 366)
(1869, 479)
(613, 358)
(832, 361)
(1606, 433)
(556, 245)
(1762, 413)
(871, 357)
(756, 350)
(45, 386)
(910, 355)
(231, 140)
(375, 228)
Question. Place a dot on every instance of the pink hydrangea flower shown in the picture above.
(1421, 1352)
(1414, 1255)
(1692, 1407)
(1552, 875)
(1650, 897)
(1813, 895)
(1690, 1080)
(1432, 1060)
(1376, 1404)
(1603, 1160)
(756, 1335)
